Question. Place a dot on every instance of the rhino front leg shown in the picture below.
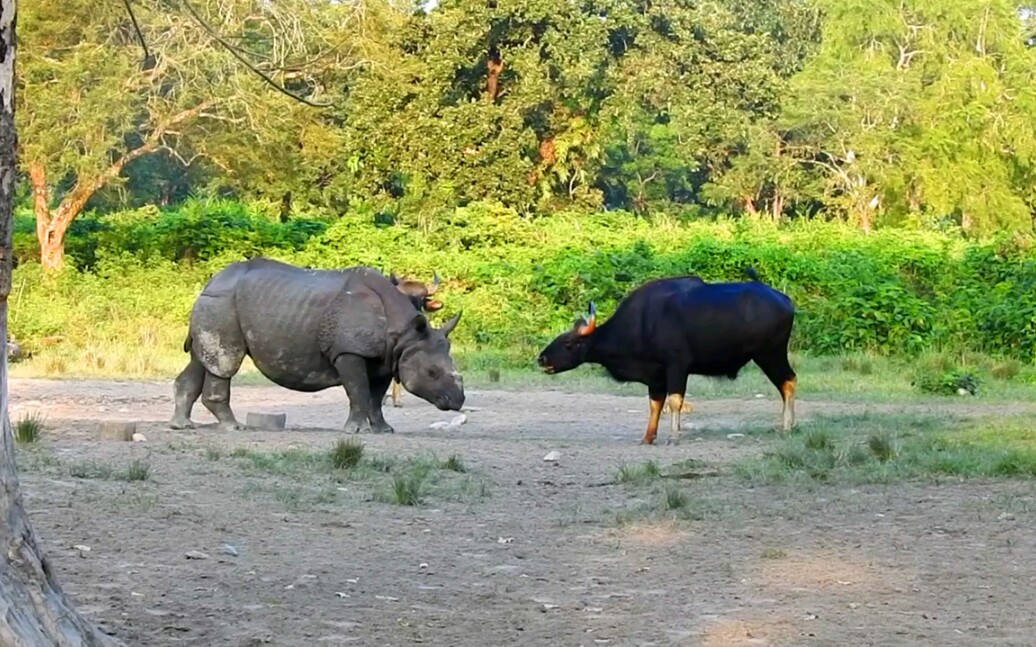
(352, 372)
(215, 395)
(377, 415)
(186, 391)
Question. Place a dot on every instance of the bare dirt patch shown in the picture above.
(513, 549)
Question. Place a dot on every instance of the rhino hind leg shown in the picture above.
(186, 391)
(215, 396)
(352, 372)
(378, 387)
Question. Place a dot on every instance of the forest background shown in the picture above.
(874, 159)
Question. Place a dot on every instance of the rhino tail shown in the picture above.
(187, 343)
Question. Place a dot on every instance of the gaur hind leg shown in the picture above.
(397, 393)
(676, 386)
(378, 386)
(776, 367)
(186, 391)
(352, 372)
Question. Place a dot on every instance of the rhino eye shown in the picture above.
(434, 373)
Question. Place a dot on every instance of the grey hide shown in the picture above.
(308, 330)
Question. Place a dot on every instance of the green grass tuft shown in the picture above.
(137, 470)
(29, 428)
(346, 454)
(454, 464)
(406, 488)
(639, 474)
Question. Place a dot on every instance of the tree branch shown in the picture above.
(236, 54)
(76, 199)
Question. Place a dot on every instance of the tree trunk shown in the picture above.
(33, 609)
(749, 203)
(50, 225)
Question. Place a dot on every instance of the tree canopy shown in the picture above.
(916, 113)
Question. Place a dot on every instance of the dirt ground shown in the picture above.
(548, 554)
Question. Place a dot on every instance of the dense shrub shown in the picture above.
(520, 282)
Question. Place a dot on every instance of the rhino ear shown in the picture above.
(451, 324)
(394, 279)
(419, 323)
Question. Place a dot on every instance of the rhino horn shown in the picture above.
(448, 327)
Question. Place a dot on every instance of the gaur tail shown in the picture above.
(752, 274)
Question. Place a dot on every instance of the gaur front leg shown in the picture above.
(656, 399)
(215, 395)
(378, 387)
(186, 391)
(352, 372)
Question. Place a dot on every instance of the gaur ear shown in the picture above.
(432, 305)
(451, 324)
(420, 323)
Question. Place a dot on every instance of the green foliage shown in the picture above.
(522, 282)
(948, 383)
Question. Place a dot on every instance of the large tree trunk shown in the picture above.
(50, 225)
(33, 609)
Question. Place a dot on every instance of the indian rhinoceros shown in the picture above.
(309, 330)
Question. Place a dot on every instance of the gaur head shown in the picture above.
(419, 293)
(568, 350)
(425, 367)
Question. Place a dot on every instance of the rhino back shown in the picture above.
(295, 321)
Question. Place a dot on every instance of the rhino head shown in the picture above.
(425, 367)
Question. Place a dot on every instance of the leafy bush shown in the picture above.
(947, 383)
(520, 282)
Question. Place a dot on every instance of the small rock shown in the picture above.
(83, 550)
(138, 437)
(230, 550)
(505, 540)
(552, 456)
(962, 392)
(196, 554)
(457, 421)
(548, 607)
(266, 421)
(117, 430)
(422, 565)
(123, 410)
(734, 436)
(341, 595)
(759, 395)
(387, 598)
